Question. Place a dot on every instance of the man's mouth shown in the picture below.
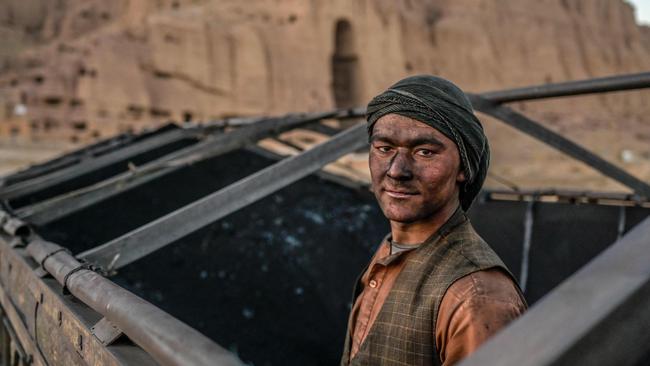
(399, 193)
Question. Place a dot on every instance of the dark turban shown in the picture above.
(443, 106)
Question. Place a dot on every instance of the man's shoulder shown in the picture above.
(467, 245)
(474, 308)
(464, 233)
(492, 284)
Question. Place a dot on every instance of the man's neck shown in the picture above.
(418, 232)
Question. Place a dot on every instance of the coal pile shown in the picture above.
(271, 282)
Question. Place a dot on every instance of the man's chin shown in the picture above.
(409, 215)
(402, 218)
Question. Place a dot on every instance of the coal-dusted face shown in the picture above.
(415, 169)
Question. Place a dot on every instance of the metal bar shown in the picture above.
(566, 193)
(323, 129)
(73, 172)
(91, 151)
(536, 130)
(65, 160)
(581, 87)
(58, 325)
(621, 222)
(323, 174)
(35, 170)
(528, 235)
(599, 315)
(57, 207)
(167, 229)
(168, 340)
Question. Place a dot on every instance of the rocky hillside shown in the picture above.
(83, 69)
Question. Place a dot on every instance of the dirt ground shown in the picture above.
(16, 155)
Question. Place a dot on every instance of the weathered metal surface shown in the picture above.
(11, 352)
(13, 226)
(106, 331)
(567, 326)
(20, 334)
(72, 172)
(525, 253)
(559, 142)
(341, 180)
(49, 325)
(69, 159)
(580, 87)
(567, 195)
(166, 339)
(60, 206)
(167, 229)
(83, 153)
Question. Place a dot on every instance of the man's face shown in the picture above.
(415, 169)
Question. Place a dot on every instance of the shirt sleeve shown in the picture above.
(474, 308)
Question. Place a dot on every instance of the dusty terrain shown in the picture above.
(15, 155)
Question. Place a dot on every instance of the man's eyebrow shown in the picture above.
(416, 142)
(427, 141)
(380, 137)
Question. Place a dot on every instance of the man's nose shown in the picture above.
(400, 167)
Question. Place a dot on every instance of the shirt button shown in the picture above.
(373, 283)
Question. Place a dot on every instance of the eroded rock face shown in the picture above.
(84, 69)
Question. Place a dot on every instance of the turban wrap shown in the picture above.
(443, 106)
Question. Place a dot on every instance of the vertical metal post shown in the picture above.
(621, 222)
(528, 234)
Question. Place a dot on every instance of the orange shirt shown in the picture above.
(473, 308)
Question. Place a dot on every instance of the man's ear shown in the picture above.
(461, 176)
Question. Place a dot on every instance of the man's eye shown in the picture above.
(383, 149)
(424, 152)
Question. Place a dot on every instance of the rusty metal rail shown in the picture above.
(166, 339)
(563, 195)
(70, 173)
(571, 88)
(559, 142)
(71, 158)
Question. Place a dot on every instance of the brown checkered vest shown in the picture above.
(403, 333)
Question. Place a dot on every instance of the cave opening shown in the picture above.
(345, 67)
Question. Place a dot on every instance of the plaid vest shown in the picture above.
(403, 333)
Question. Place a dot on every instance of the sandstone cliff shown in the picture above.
(83, 69)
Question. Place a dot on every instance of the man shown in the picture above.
(434, 290)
